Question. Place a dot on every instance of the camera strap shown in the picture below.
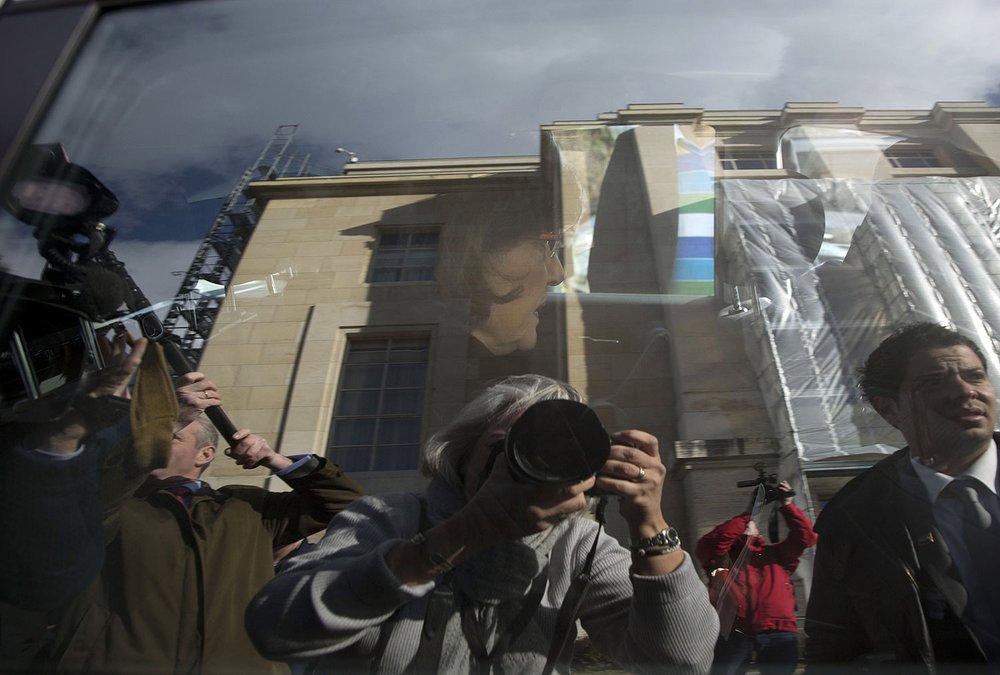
(439, 607)
(443, 602)
(561, 649)
(727, 611)
(443, 599)
(485, 659)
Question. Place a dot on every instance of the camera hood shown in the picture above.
(557, 442)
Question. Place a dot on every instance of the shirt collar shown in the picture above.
(192, 484)
(984, 469)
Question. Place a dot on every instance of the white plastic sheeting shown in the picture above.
(829, 267)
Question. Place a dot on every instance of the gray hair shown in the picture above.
(206, 433)
(497, 407)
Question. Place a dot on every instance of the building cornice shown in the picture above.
(409, 177)
(820, 113)
(794, 113)
(430, 176)
(642, 113)
(460, 165)
(946, 114)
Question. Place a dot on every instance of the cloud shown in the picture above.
(152, 264)
(169, 99)
(887, 55)
(199, 81)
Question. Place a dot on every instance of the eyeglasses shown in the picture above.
(552, 243)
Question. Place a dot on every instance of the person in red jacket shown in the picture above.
(760, 600)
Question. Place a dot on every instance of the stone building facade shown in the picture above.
(722, 274)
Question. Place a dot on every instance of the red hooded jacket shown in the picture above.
(763, 594)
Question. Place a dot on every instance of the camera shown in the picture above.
(556, 442)
(50, 329)
(768, 481)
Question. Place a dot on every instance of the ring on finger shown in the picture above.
(642, 474)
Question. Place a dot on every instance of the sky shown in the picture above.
(167, 104)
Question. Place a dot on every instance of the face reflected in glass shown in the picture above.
(190, 453)
(947, 404)
(519, 278)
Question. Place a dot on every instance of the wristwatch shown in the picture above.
(663, 542)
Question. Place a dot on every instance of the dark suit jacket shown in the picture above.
(884, 588)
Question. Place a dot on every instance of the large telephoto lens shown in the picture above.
(557, 442)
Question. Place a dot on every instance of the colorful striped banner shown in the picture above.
(694, 265)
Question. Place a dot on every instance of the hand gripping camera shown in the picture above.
(555, 442)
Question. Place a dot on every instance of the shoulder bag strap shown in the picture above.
(440, 606)
(561, 649)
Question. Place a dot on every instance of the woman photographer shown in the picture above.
(483, 563)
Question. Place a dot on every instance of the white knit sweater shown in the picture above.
(332, 604)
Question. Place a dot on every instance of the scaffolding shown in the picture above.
(202, 291)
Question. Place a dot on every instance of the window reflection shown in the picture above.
(712, 275)
(377, 419)
(405, 256)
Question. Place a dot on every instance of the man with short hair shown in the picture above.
(903, 571)
(191, 451)
(184, 559)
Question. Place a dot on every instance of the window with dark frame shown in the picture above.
(380, 399)
(405, 255)
(909, 157)
(747, 161)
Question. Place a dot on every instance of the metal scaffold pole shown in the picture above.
(202, 291)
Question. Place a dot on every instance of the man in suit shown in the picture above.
(903, 567)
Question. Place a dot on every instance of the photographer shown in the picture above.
(470, 576)
(760, 591)
(49, 475)
(50, 494)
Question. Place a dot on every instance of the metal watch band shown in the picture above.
(665, 541)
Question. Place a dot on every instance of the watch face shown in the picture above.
(667, 537)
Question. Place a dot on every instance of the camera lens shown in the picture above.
(557, 442)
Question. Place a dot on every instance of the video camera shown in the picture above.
(769, 483)
(50, 329)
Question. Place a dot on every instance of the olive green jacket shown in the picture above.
(177, 580)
